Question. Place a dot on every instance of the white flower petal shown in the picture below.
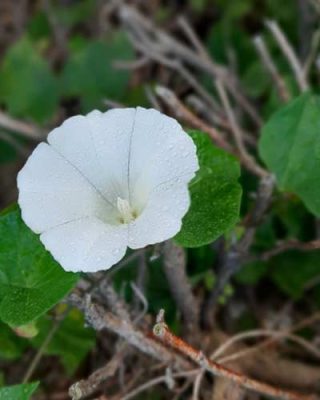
(99, 145)
(86, 245)
(161, 152)
(161, 219)
(52, 192)
(106, 179)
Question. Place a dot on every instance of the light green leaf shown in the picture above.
(27, 86)
(91, 73)
(290, 147)
(31, 282)
(215, 195)
(18, 392)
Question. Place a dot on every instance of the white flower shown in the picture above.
(105, 182)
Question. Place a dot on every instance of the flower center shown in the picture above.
(127, 214)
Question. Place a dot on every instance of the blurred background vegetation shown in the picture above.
(64, 57)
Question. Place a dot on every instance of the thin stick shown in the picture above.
(264, 332)
(197, 385)
(313, 53)
(174, 266)
(85, 388)
(181, 111)
(99, 319)
(169, 98)
(237, 133)
(32, 367)
(26, 129)
(271, 67)
(290, 245)
(157, 381)
(192, 36)
(306, 322)
(150, 40)
(289, 53)
(229, 263)
(162, 331)
(12, 141)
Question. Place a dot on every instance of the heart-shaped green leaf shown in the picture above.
(31, 281)
(215, 195)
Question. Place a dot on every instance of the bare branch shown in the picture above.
(271, 67)
(171, 100)
(158, 44)
(157, 381)
(100, 319)
(24, 128)
(86, 387)
(243, 353)
(246, 158)
(175, 270)
(289, 53)
(264, 332)
(231, 262)
(293, 244)
(162, 331)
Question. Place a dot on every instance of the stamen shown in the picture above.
(125, 210)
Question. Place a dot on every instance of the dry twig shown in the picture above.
(283, 246)
(26, 129)
(161, 46)
(271, 67)
(171, 100)
(162, 331)
(238, 252)
(97, 317)
(246, 158)
(289, 53)
(175, 270)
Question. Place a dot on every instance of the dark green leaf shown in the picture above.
(75, 12)
(91, 74)
(11, 345)
(7, 152)
(31, 282)
(290, 147)
(27, 86)
(251, 273)
(293, 271)
(18, 392)
(215, 195)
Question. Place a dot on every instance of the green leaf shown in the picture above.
(294, 270)
(75, 12)
(90, 72)
(251, 273)
(72, 341)
(7, 152)
(18, 392)
(215, 195)
(31, 281)
(27, 331)
(198, 5)
(290, 147)
(27, 86)
(11, 346)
